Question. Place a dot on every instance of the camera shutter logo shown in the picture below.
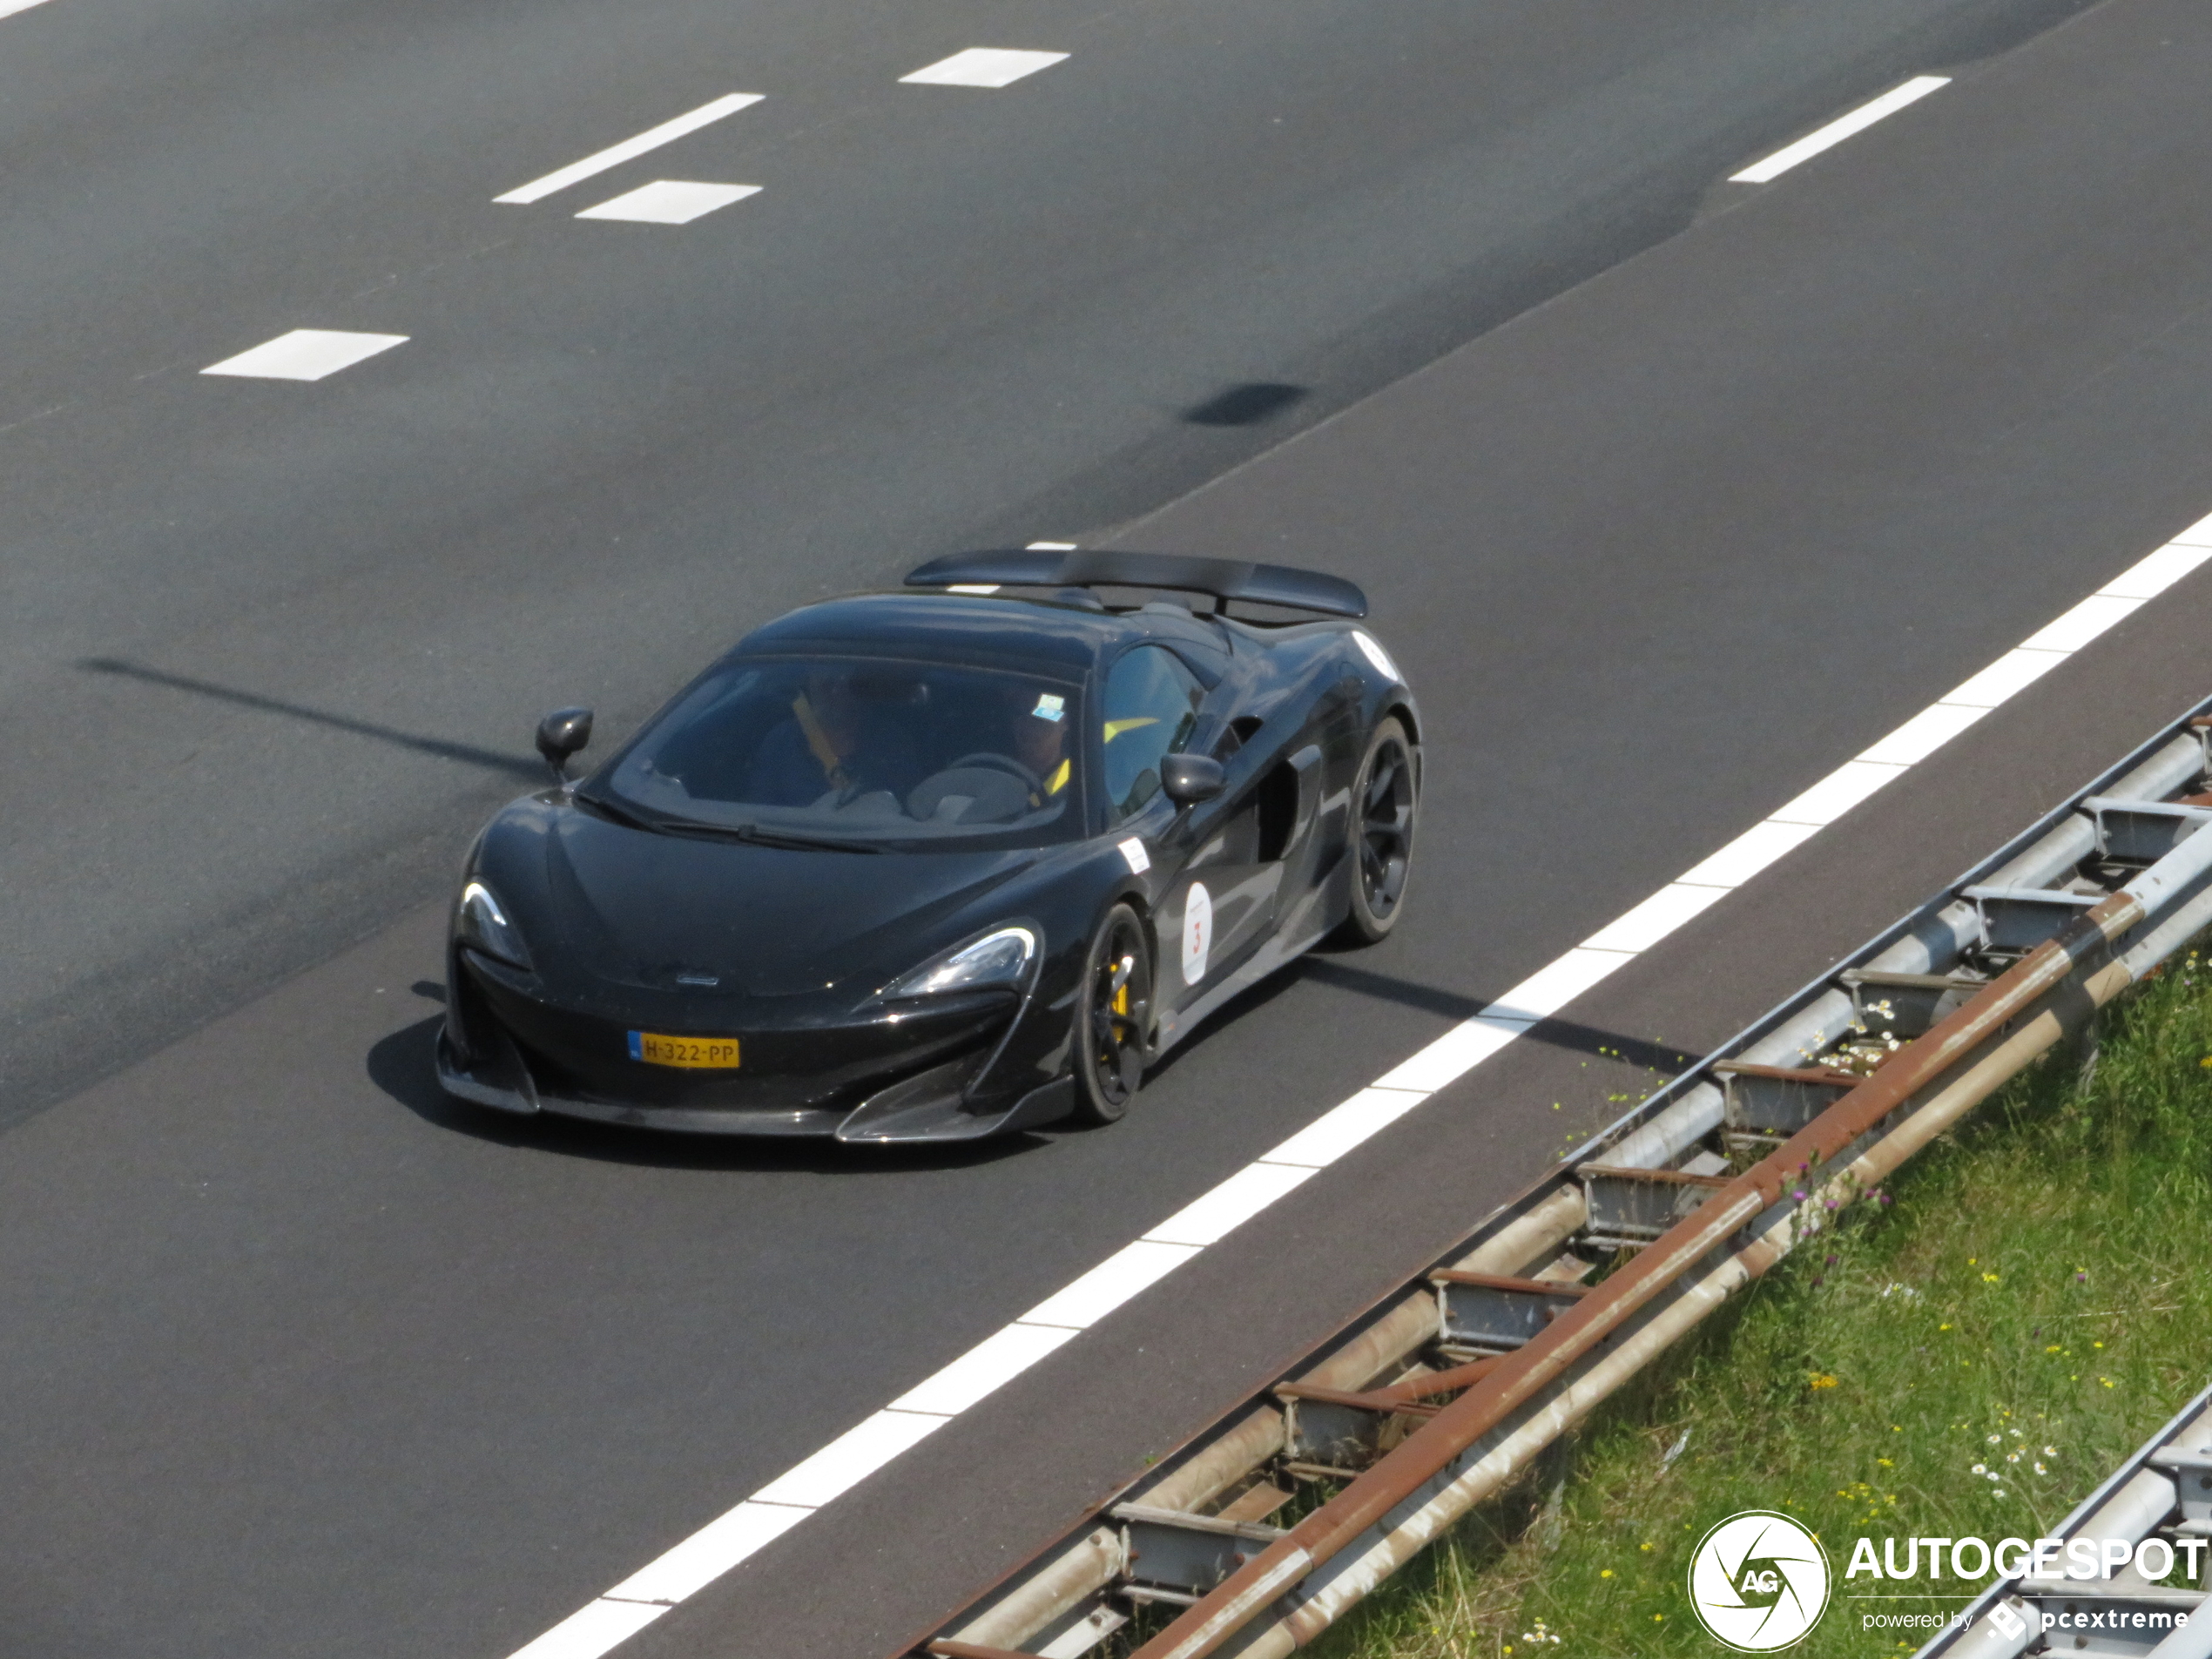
(1759, 1582)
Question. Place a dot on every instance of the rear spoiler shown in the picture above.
(1225, 579)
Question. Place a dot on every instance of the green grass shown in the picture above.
(2033, 1298)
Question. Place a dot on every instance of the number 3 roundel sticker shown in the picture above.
(1197, 933)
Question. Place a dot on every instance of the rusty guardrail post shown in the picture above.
(2081, 947)
(2130, 813)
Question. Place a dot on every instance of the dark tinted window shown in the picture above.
(870, 749)
(1151, 706)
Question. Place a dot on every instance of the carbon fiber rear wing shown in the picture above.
(1225, 579)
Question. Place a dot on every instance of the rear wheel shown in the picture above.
(1382, 836)
(1113, 1017)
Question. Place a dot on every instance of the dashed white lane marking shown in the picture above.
(1004, 1355)
(983, 66)
(305, 355)
(8, 8)
(669, 201)
(630, 149)
(1839, 129)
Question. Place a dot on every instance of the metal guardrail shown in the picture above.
(1449, 1386)
(2163, 1491)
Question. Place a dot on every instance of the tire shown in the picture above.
(1383, 803)
(1113, 1018)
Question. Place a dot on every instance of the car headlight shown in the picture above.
(998, 958)
(480, 923)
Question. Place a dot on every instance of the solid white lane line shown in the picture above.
(851, 1458)
(1552, 986)
(2004, 678)
(2081, 625)
(1656, 917)
(8, 8)
(1458, 1051)
(708, 1553)
(1338, 1131)
(1748, 854)
(1097, 1293)
(1924, 734)
(1004, 1355)
(997, 1359)
(305, 355)
(2153, 575)
(982, 66)
(630, 149)
(669, 201)
(1837, 131)
(1838, 793)
(1210, 1216)
(592, 1630)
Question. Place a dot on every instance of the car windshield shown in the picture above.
(860, 750)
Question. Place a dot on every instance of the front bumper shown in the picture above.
(917, 1077)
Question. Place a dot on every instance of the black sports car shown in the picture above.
(933, 865)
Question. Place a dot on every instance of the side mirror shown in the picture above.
(1188, 779)
(560, 734)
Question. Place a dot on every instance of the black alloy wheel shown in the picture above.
(1113, 1019)
(1382, 835)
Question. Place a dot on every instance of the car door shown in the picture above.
(1222, 897)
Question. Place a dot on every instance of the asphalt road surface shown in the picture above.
(274, 648)
(299, 1357)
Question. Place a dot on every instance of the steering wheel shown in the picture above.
(1000, 763)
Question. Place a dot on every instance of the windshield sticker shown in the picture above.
(1139, 859)
(1050, 706)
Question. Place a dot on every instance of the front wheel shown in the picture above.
(1381, 836)
(1112, 1017)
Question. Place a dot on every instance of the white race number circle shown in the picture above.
(1197, 933)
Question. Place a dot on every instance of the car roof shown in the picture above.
(1010, 630)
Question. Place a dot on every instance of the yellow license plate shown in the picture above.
(691, 1054)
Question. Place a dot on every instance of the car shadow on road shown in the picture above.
(515, 767)
(403, 1065)
(1223, 1019)
(1571, 1035)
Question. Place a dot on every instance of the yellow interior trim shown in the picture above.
(1058, 781)
(818, 743)
(1115, 728)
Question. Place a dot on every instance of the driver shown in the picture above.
(1041, 744)
(836, 741)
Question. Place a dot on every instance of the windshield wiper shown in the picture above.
(606, 808)
(753, 835)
